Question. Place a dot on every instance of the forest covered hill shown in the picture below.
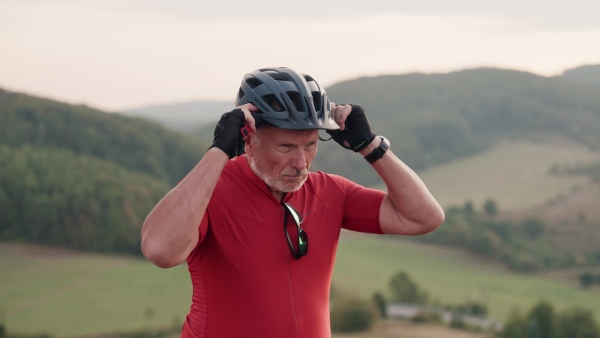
(77, 177)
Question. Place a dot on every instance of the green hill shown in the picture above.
(54, 197)
(133, 143)
(76, 177)
(588, 75)
(515, 173)
(432, 119)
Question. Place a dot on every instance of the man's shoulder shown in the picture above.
(325, 180)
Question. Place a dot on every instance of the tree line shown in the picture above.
(521, 245)
(54, 197)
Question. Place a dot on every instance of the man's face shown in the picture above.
(282, 157)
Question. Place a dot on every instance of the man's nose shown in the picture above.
(299, 160)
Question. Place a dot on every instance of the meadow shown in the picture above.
(450, 276)
(72, 294)
(516, 174)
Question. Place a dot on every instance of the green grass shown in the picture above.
(365, 264)
(82, 294)
(514, 173)
(78, 294)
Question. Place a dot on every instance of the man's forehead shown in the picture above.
(279, 132)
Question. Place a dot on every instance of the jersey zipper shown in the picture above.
(293, 299)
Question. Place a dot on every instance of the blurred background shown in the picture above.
(105, 105)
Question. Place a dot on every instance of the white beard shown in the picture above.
(276, 184)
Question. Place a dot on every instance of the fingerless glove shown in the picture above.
(227, 136)
(357, 132)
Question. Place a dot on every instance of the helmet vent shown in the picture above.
(253, 82)
(273, 102)
(281, 77)
(317, 101)
(308, 78)
(295, 98)
(240, 94)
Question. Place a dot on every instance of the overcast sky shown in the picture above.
(120, 54)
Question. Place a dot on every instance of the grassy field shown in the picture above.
(365, 264)
(69, 294)
(515, 174)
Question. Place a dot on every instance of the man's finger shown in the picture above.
(247, 109)
(341, 115)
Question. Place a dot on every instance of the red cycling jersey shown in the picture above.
(246, 283)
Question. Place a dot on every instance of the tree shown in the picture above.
(380, 303)
(586, 279)
(515, 326)
(577, 323)
(533, 228)
(541, 320)
(404, 289)
(469, 209)
(490, 207)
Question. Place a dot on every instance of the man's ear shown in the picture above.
(248, 145)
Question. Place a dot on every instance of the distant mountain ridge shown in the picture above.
(588, 75)
(191, 115)
(183, 116)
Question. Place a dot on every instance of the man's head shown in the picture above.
(292, 107)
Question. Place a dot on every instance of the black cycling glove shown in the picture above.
(358, 132)
(227, 135)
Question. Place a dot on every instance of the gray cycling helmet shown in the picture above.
(286, 99)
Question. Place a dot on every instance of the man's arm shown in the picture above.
(408, 208)
(170, 232)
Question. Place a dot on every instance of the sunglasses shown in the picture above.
(302, 236)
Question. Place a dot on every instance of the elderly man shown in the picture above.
(259, 231)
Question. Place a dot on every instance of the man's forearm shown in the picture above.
(170, 232)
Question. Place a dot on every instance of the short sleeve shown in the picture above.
(361, 209)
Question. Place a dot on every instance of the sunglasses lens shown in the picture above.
(302, 243)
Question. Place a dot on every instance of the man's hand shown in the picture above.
(355, 130)
(227, 136)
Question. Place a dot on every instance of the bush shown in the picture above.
(577, 323)
(351, 314)
(380, 304)
(404, 289)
